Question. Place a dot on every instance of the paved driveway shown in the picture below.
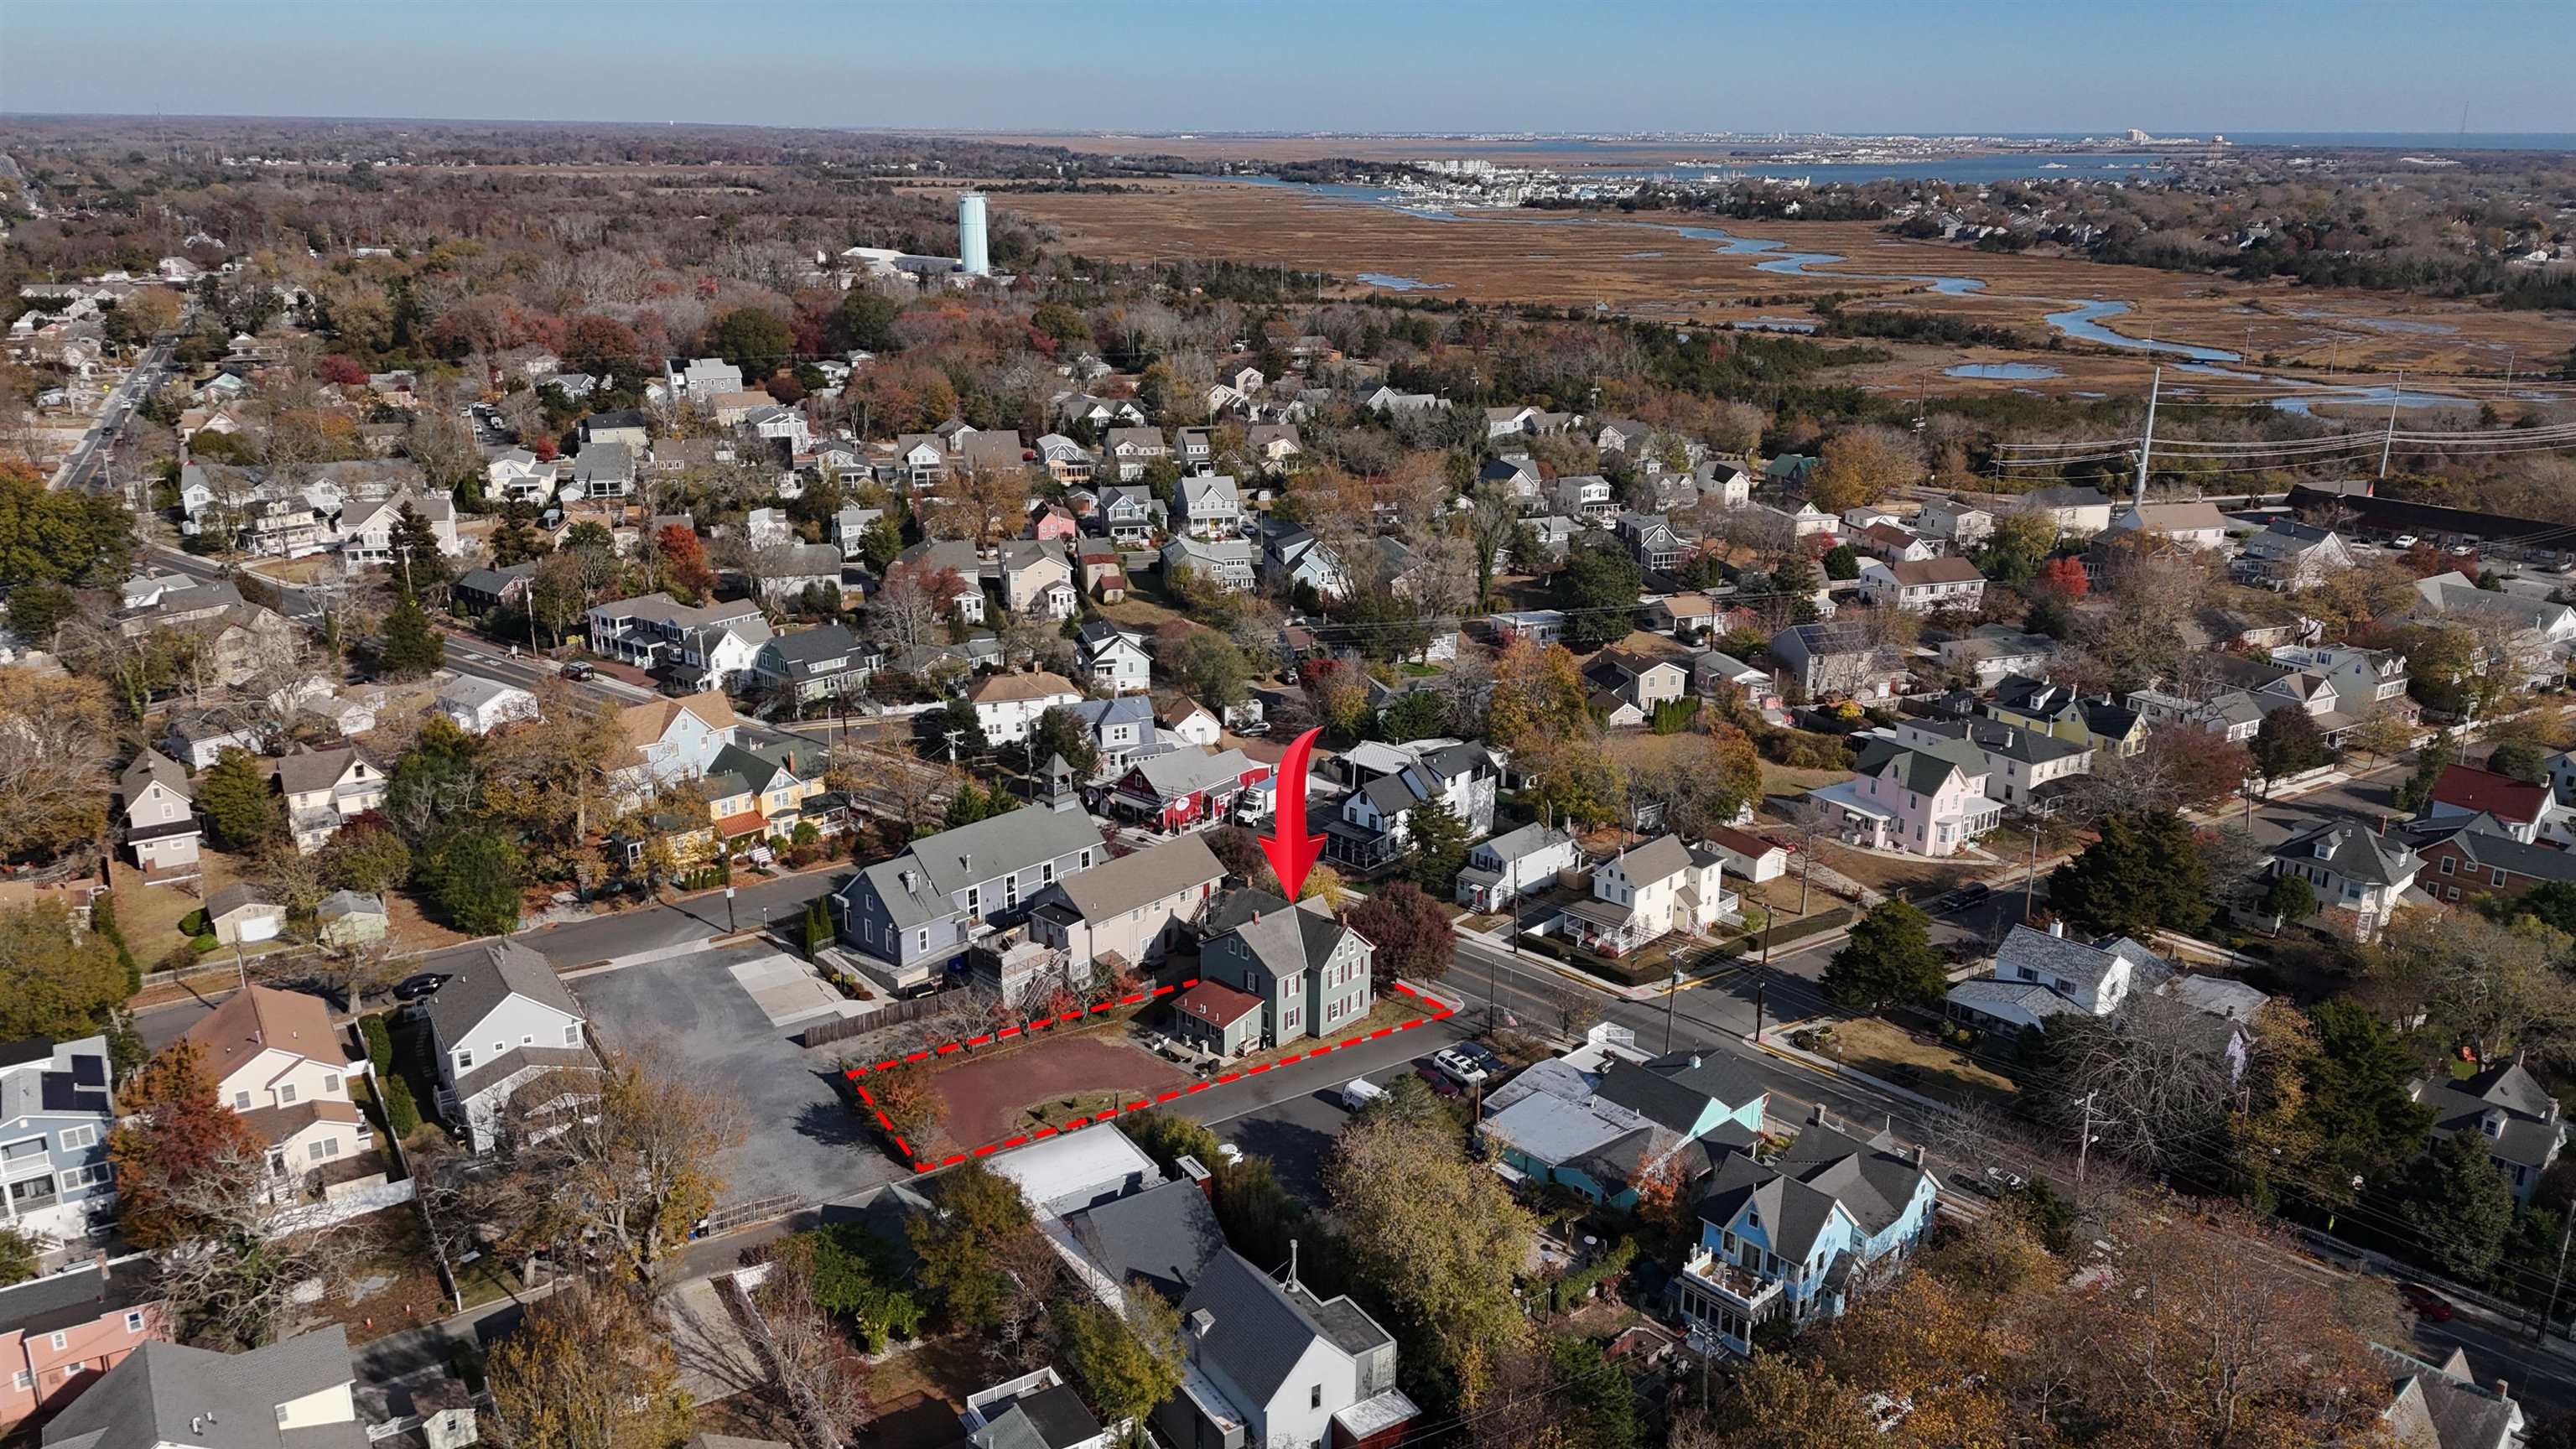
(690, 1011)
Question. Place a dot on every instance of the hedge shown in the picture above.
(380, 1045)
(402, 1115)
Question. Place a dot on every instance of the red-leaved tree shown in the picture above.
(1412, 934)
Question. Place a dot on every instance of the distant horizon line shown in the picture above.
(2467, 139)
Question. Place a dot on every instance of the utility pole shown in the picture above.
(2390, 440)
(1672, 1000)
(2084, 1144)
(2030, 876)
(2147, 441)
(2557, 1281)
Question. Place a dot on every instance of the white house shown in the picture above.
(2040, 974)
(277, 1061)
(161, 825)
(1515, 864)
(2191, 525)
(1948, 582)
(1007, 705)
(1648, 892)
(480, 706)
(501, 1021)
(1113, 659)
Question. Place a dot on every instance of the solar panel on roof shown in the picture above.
(89, 1071)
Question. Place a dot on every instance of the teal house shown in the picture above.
(1600, 1119)
(1799, 1238)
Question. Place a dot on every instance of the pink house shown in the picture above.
(1921, 799)
(1052, 521)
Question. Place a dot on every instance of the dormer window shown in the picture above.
(2492, 1124)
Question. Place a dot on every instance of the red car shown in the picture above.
(2426, 1303)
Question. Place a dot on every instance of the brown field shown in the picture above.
(989, 1096)
(1635, 268)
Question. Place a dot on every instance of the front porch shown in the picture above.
(1725, 1302)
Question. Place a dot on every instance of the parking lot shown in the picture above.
(697, 1019)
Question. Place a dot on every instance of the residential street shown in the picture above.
(86, 467)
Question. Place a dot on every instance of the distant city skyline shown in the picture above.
(1864, 66)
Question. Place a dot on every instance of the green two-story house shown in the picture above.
(1309, 971)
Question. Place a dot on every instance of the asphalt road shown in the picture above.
(86, 468)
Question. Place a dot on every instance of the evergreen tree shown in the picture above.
(411, 647)
(818, 929)
(1599, 588)
(2143, 873)
(959, 719)
(1797, 578)
(1889, 961)
(2287, 742)
(241, 810)
(2459, 1206)
(419, 567)
(1060, 731)
(2430, 761)
(2361, 1106)
(1439, 847)
(476, 876)
(879, 546)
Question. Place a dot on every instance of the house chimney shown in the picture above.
(1292, 1263)
(1201, 1322)
(2057, 928)
(1192, 1169)
(1914, 1154)
(1816, 1115)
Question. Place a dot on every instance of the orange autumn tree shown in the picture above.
(175, 1132)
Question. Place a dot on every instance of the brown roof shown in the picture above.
(254, 1020)
(1216, 1003)
(1179, 711)
(308, 770)
(276, 1124)
(1948, 569)
(1003, 687)
(642, 724)
(1742, 842)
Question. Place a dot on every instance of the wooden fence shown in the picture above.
(893, 1013)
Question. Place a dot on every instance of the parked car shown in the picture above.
(1997, 1181)
(1467, 1064)
(1437, 1080)
(2427, 1304)
(420, 986)
(577, 671)
(1359, 1092)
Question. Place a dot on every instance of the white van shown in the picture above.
(1359, 1092)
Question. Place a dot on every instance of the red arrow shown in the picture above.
(1291, 850)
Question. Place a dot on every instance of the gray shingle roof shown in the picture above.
(501, 969)
(1047, 1418)
(155, 1396)
(1260, 1330)
(1673, 1090)
(1145, 876)
(1284, 941)
(2352, 852)
(1924, 768)
(945, 864)
(1165, 1235)
(1530, 839)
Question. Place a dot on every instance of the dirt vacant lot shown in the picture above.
(989, 1096)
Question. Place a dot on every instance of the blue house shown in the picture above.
(1800, 1237)
(1601, 1118)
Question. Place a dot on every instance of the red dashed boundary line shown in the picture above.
(1431, 1005)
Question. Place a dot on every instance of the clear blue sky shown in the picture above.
(2184, 67)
